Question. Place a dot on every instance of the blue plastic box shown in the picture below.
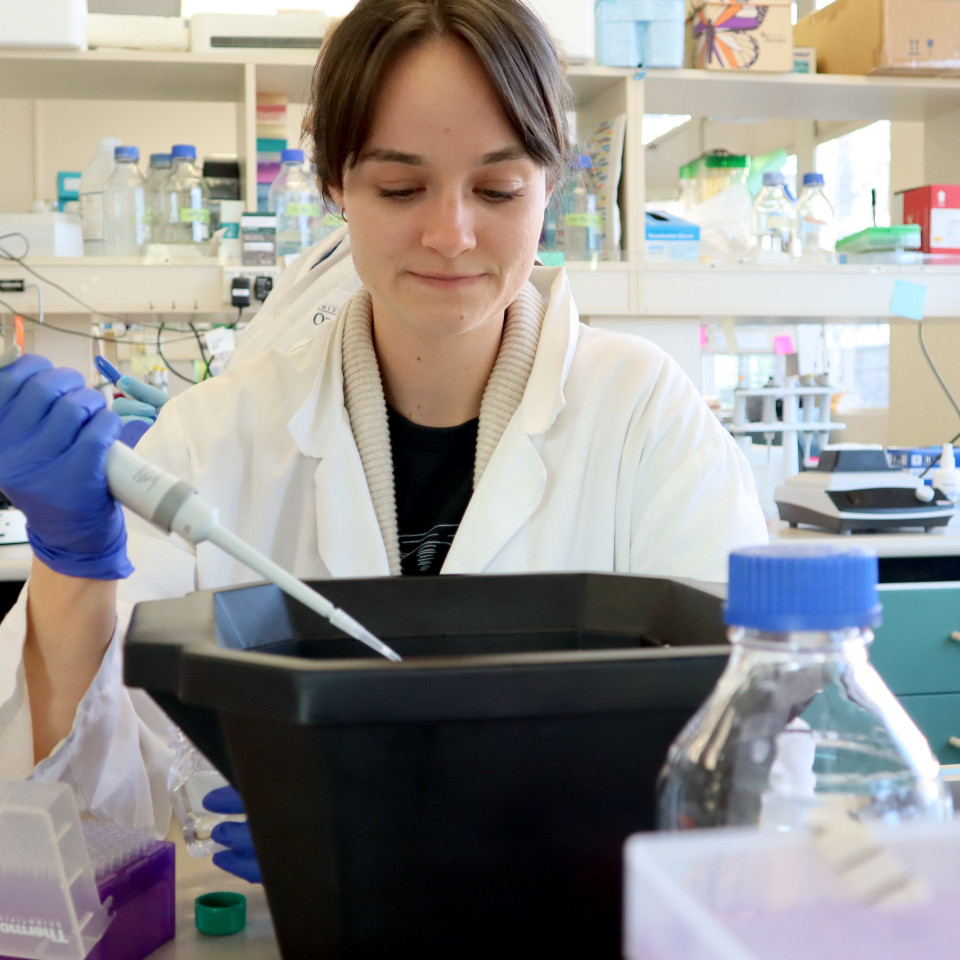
(918, 459)
(669, 238)
(640, 33)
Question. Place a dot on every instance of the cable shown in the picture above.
(203, 353)
(936, 372)
(5, 254)
(46, 326)
(166, 362)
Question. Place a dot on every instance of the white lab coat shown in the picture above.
(612, 462)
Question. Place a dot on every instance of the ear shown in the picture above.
(548, 192)
(337, 195)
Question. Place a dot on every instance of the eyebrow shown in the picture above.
(414, 160)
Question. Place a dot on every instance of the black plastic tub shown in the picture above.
(471, 801)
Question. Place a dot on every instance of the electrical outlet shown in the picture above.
(228, 274)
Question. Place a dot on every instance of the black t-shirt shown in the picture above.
(433, 481)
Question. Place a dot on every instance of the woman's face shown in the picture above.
(444, 205)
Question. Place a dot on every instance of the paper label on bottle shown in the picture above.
(91, 216)
(190, 215)
(594, 220)
(302, 210)
(945, 229)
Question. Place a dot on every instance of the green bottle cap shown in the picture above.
(220, 914)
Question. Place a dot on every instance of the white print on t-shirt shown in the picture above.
(426, 545)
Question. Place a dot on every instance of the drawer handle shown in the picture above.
(955, 635)
(954, 742)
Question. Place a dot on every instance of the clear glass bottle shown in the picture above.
(157, 172)
(800, 720)
(772, 221)
(582, 223)
(192, 776)
(295, 199)
(184, 200)
(90, 192)
(125, 206)
(815, 235)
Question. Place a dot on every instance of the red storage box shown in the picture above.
(937, 209)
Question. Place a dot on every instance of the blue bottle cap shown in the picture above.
(126, 153)
(784, 587)
(183, 150)
(291, 154)
(772, 179)
(813, 178)
(160, 159)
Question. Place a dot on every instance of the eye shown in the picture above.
(500, 196)
(401, 193)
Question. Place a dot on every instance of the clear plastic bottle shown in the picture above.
(184, 200)
(125, 206)
(815, 235)
(689, 186)
(92, 181)
(192, 776)
(582, 223)
(772, 221)
(157, 172)
(800, 721)
(295, 199)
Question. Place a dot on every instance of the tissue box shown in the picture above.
(727, 36)
(669, 238)
(640, 33)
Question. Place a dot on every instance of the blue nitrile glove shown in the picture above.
(138, 409)
(239, 859)
(54, 437)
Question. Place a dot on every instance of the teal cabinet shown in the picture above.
(914, 653)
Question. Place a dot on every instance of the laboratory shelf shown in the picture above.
(792, 291)
(795, 96)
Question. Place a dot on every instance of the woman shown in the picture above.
(454, 414)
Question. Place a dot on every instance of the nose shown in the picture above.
(448, 226)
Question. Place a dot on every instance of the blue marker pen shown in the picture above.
(107, 368)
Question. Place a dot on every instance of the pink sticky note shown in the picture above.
(703, 335)
(783, 345)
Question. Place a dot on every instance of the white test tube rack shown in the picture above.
(806, 413)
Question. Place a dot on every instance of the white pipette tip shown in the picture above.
(339, 618)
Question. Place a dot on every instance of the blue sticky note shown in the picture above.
(908, 299)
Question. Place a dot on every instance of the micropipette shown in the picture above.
(172, 505)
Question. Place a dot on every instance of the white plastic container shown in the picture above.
(48, 234)
(57, 24)
(92, 181)
(571, 23)
(741, 894)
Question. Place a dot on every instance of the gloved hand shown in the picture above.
(138, 409)
(54, 437)
(239, 859)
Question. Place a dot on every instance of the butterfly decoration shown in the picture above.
(727, 38)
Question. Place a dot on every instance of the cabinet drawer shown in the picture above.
(938, 716)
(913, 651)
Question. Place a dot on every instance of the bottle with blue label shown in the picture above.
(184, 200)
(295, 199)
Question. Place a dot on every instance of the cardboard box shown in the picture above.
(937, 209)
(731, 36)
(907, 37)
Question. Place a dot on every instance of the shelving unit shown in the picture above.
(626, 289)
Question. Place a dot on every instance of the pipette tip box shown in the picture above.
(75, 889)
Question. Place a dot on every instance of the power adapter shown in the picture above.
(240, 292)
(262, 287)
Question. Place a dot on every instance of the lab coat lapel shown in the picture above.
(515, 479)
(348, 534)
(507, 495)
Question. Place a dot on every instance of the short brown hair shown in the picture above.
(511, 43)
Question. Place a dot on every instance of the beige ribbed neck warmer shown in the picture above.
(367, 408)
